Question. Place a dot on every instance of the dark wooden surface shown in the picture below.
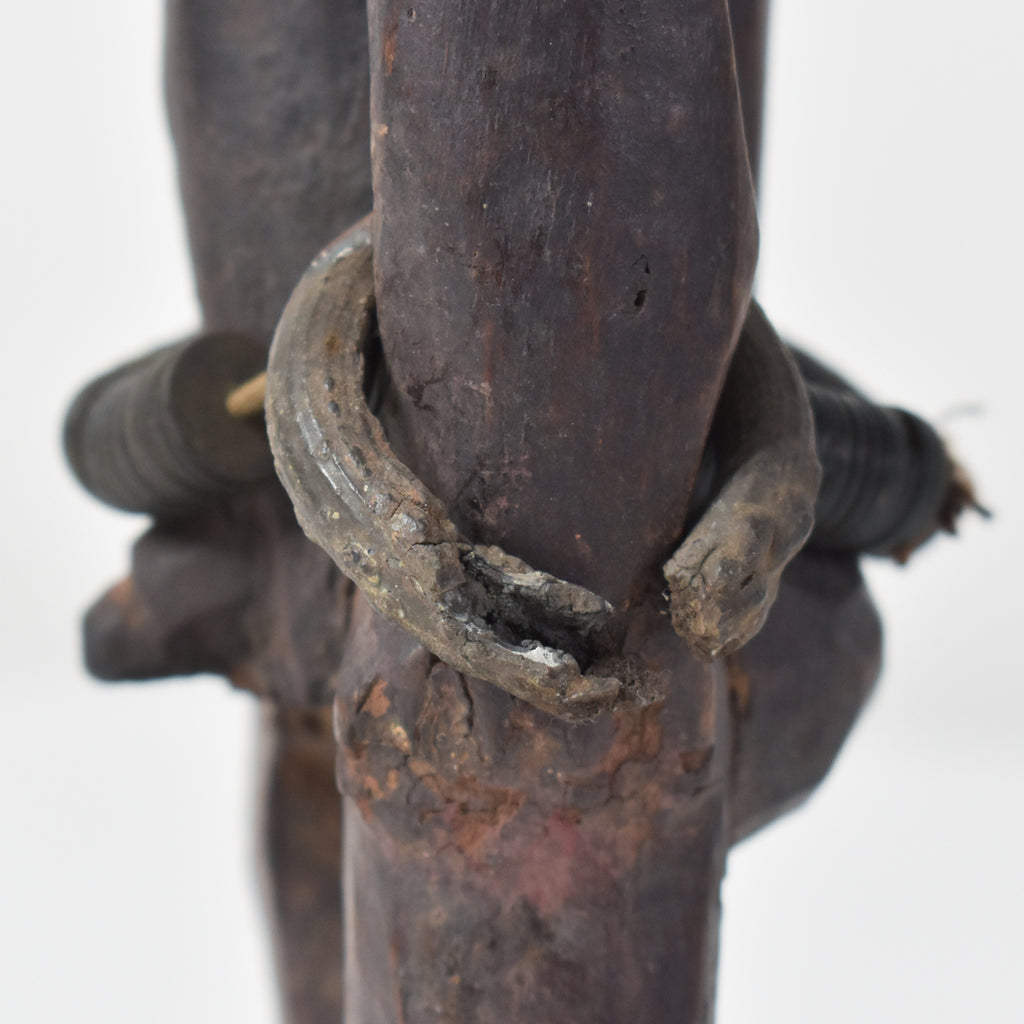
(561, 276)
(501, 865)
(573, 257)
(797, 688)
(566, 238)
(269, 109)
(268, 105)
(750, 43)
(301, 829)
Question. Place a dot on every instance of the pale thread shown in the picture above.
(247, 399)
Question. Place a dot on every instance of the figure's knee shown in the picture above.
(799, 686)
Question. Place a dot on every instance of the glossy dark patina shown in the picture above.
(564, 244)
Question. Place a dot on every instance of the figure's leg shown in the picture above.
(749, 20)
(301, 835)
(563, 263)
(269, 108)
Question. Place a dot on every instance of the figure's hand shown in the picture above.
(725, 576)
(234, 589)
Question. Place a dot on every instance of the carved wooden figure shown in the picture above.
(528, 407)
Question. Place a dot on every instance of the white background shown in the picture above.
(892, 232)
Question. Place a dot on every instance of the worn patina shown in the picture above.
(564, 242)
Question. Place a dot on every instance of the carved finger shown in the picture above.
(725, 576)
